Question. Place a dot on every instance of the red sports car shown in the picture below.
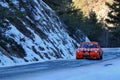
(90, 50)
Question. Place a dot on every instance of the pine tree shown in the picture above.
(114, 14)
(114, 19)
(92, 27)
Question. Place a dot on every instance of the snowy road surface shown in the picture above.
(106, 69)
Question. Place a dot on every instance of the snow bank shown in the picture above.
(111, 49)
(87, 40)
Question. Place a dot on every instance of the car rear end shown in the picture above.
(89, 50)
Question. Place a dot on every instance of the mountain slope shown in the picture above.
(31, 31)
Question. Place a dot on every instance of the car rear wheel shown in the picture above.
(78, 58)
(100, 57)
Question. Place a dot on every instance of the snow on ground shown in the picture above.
(87, 40)
(4, 59)
(111, 49)
(4, 4)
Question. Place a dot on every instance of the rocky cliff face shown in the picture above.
(31, 31)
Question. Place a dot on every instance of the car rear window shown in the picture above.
(88, 45)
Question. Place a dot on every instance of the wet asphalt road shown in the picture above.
(8, 73)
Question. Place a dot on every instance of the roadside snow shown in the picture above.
(4, 59)
(87, 40)
(111, 49)
(4, 4)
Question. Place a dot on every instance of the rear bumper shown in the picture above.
(91, 55)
